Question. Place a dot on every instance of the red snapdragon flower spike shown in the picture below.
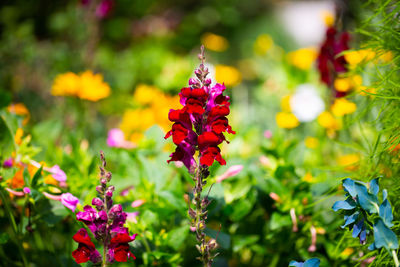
(86, 250)
(200, 124)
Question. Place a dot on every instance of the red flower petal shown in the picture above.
(208, 139)
(82, 237)
(179, 133)
(208, 156)
(81, 254)
(194, 106)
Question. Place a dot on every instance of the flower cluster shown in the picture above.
(330, 62)
(106, 222)
(200, 124)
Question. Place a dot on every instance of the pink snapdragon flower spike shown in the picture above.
(116, 138)
(106, 221)
(232, 171)
(69, 201)
(57, 173)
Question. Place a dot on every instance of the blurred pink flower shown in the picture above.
(125, 192)
(69, 201)
(27, 190)
(52, 197)
(138, 203)
(15, 193)
(104, 8)
(232, 171)
(178, 164)
(116, 138)
(132, 216)
(8, 163)
(267, 134)
(57, 173)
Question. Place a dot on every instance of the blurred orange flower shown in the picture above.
(20, 109)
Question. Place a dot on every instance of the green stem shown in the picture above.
(14, 227)
(395, 259)
(145, 243)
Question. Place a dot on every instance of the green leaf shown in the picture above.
(27, 177)
(7, 144)
(384, 236)
(36, 177)
(4, 238)
(177, 236)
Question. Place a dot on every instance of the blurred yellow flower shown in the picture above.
(345, 84)
(311, 142)
(156, 106)
(308, 177)
(285, 103)
(228, 75)
(328, 18)
(286, 120)
(66, 84)
(349, 161)
(20, 109)
(92, 87)
(88, 86)
(356, 57)
(328, 121)
(366, 91)
(347, 252)
(48, 179)
(263, 44)
(18, 136)
(320, 230)
(387, 56)
(342, 107)
(214, 42)
(146, 94)
(302, 58)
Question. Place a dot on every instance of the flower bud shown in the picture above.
(212, 244)
(99, 189)
(207, 81)
(110, 190)
(192, 213)
(103, 181)
(108, 176)
(192, 81)
(98, 203)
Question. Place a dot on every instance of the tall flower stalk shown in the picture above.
(106, 222)
(199, 127)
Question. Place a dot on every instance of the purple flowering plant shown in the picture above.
(105, 221)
